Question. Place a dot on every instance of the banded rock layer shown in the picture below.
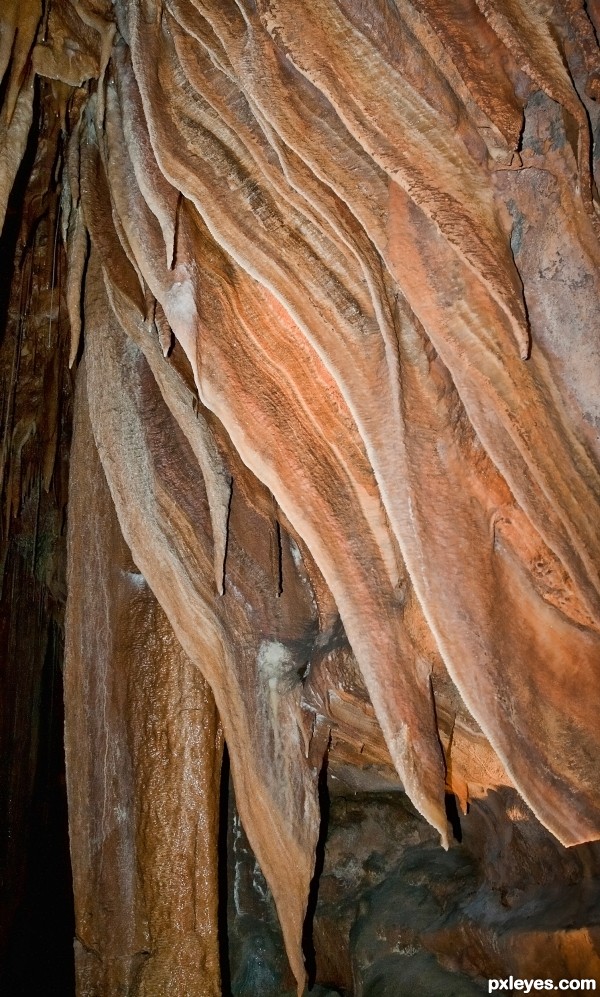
(335, 266)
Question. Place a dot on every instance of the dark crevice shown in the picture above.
(227, 537)
(453, 816)
(14, 217)
(39, 956)
(226, 804)
(308, 945)
(279, 558)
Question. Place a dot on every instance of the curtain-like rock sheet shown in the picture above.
(252, 642)
(399, 285)
(371, 233)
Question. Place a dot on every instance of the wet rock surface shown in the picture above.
(326, 276)
(395, 914)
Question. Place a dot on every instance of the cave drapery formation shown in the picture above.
(330, 272)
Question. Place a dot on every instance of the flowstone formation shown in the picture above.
(331, 274)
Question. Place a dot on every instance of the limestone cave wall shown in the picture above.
(305, 296)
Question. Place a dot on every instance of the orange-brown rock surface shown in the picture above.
(332, 282)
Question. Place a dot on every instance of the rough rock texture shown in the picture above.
(333, 269)
(398, 916)
(144, 796)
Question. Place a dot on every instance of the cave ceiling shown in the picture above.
(331, 276)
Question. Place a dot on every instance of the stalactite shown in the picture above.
(293, 237)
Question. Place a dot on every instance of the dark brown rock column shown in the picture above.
(143, 747)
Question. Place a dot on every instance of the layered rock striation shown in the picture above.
(332, 286)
